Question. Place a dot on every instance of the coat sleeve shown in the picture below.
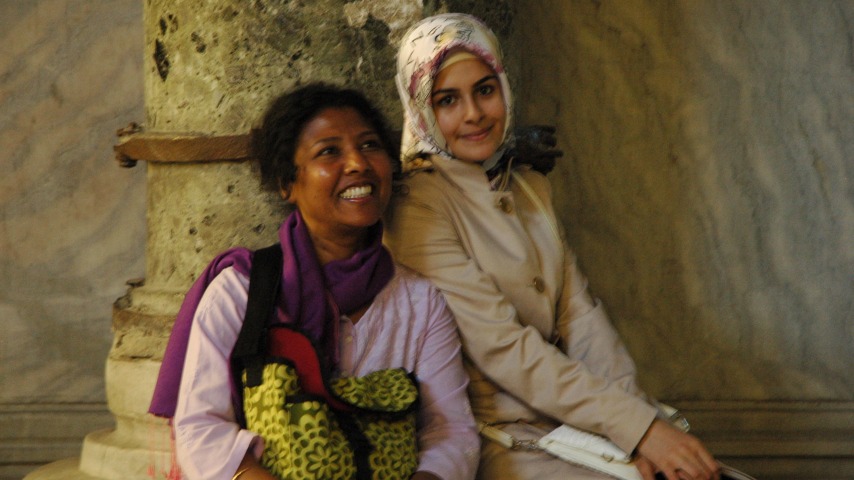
(587, 334)
(422, 236)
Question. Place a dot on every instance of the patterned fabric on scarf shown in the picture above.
(421, 53)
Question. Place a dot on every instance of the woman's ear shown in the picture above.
(285, 190)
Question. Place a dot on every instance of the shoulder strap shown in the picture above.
(535, 199)
(264, 280)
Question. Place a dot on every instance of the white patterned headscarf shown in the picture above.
(419, 58)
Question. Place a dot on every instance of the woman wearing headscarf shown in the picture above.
(538, 347)
(325, 150)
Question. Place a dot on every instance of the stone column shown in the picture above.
(211, 68)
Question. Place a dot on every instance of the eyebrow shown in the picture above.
(367, 133)
(477, 83)
(325, 140)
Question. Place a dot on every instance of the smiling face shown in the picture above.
(469, 109)
(343, 179)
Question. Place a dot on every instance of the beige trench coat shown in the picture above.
(538, 347)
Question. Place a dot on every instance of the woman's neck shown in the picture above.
(331, 248)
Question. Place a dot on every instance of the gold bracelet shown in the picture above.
(239, 473)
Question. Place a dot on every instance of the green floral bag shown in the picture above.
(306, 438)
(314, 427)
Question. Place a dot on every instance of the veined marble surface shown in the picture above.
(707, 184)
(706, 187)
(72, 223)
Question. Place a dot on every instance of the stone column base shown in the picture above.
(62, 470)
(138, 448)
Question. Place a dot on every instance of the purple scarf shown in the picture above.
(311, 297)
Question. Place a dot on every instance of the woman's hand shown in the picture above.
(676, 454)
(645, 467)
(424, 476)
(252, 470)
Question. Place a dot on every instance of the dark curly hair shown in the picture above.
(274, 143)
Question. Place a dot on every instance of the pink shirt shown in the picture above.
(408, 325)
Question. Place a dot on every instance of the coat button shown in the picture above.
(539, 284)
(505, 205)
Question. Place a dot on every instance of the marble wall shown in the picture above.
(72, 223)
(707, 188)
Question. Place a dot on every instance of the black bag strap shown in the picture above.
(264, 283)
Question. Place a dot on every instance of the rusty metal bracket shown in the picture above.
(135, 144)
